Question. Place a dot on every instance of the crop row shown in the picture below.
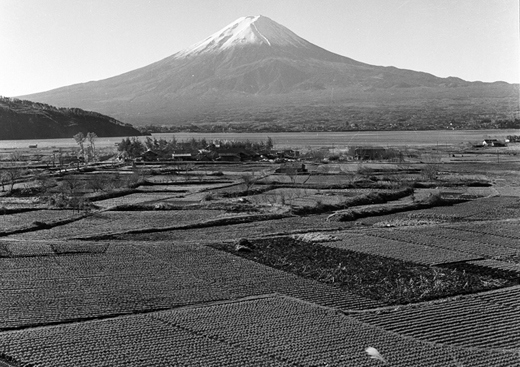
(10, 221)
(455, 233)
(113, 221)
(445, 238)
(243, 278)
(39, 290)
(509, 297)
(507, 230)
(19, 203)
(134, 341)
(10, 248)
(499, 207)
(456, 211)
(264, 332)
(379, 244)
(126, 278)
(430, 248)
(498, 265)
(466, 322)
(481, 209)
(247, 230)
(135, 198)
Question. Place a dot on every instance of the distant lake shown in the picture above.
(302, 140)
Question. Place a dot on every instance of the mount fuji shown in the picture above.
(256, 71)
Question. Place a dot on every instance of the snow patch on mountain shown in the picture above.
(251, 30)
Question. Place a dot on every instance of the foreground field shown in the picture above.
(241, 269)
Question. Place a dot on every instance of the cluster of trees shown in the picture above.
(133, 147)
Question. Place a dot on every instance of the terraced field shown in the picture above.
(438, 238)
(114, 221)
(137, 198)
(455, 233)
(247, 230)
(399, 247)
(503, 229)
(489, 320)
(57, 282)
(269, 331)
(507, 266)
(49, 289)
(202, 296)
(11, 221)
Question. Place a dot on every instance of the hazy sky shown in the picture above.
(45, 44)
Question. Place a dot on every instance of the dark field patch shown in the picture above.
(388, 280)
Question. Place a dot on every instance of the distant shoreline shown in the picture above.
(300, 139)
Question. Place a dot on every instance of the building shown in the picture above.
(149, 156)
(369, 153)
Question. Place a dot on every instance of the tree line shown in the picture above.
(133, 147)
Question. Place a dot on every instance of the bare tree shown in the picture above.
(71, 184)
(248, 181)
(44, 182)
(91, 137)
(16, 156)
(4, 178)
(80, 140)
(13, 174)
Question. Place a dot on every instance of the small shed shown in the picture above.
(149, 156)
(182, 157)
(494, 143)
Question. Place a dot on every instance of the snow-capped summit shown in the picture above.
(250, 30)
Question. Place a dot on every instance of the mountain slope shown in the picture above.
(257, 66)
(22, 119)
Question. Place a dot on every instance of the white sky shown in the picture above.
(46, 44)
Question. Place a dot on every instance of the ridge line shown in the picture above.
(261, 35)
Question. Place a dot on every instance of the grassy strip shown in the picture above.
(247, 192)
(111, 194)
(460, 183)
(353, 214)
(7, 211)
(228, 207)
(36, 226)
(362, 184)
(364, 199)
(388, 280)
(185, 182)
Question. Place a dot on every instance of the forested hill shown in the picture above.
(21, 119)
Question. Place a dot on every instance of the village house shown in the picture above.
(183, 157)
(494, 143)
(149, 156)
(288, 154)
(234, 155)
(369, 153)
(292, 167)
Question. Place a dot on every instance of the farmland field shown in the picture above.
(241, 264)
(486, 321)
(114, 221)
(269, 331)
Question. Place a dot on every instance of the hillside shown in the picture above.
(22, 119)
(259, 73)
